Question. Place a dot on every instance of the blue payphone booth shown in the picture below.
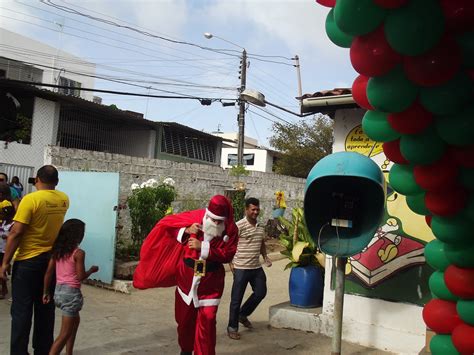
(343, 206)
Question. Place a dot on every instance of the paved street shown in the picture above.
(143, 323)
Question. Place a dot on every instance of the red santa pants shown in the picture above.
(196, 327)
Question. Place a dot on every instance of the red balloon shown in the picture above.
(359, 92)
(371, 55)
(428, 220)
(446, 202)
(327, 3)
(463, 338)
(460, 281)
(441, 316)
(463, 156)
(459, 15)
(437, 176)
(435, 66)
(392, 152)
(411, 121)
(390, 4)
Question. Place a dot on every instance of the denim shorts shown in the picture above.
(68, 299)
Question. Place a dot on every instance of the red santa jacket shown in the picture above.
(161, 255)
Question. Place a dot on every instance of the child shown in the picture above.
(68, 261)
(6, 222)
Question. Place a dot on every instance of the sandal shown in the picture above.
(245, 322)
(233, 334)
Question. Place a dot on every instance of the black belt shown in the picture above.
(201, 266)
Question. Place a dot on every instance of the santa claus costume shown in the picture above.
(169, 257)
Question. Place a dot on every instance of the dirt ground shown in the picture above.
(143, 323)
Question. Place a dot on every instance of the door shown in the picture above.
(93, 198)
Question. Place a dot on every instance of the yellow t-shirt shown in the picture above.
(43, 212)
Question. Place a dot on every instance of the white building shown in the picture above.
(22, 58)
(256, 158)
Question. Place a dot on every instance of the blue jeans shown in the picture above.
(258, 282)
(27, 293)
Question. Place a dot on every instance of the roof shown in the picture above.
(328, 101)
(109, 112)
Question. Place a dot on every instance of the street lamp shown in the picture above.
(243, 81)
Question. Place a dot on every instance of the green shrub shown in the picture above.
(148, 203)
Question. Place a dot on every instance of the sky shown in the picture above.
(271, 31)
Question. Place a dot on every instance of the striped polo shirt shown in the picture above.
(250, 242)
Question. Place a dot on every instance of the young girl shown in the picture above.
(6, 222)
(68, 261)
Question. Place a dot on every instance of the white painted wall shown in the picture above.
(44, 128)
(262, 162)
(25, 48)
(391, 326)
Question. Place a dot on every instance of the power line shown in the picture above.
(212, 99)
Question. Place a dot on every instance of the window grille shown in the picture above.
(74, 87)
(184, 144)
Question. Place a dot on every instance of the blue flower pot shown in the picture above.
(306, 286)
(278, 212)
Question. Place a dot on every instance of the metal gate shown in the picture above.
(93, 198)
(23, 173)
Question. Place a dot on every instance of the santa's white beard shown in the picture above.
(211, 229)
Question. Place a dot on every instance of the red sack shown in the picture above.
(161, 252)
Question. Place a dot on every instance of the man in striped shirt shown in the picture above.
(247, 269)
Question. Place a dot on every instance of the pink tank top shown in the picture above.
(66, 271)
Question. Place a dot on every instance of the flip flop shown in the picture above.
(233, 335)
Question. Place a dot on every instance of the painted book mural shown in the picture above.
(392, 266)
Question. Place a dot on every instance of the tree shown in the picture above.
(302, 144)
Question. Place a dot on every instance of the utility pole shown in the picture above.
(241, 117)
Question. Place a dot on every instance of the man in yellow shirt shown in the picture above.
(36, 225)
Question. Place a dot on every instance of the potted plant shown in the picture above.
(280, 205)
(238, 171)
(306, 284)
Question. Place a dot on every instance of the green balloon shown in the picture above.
(441, 344)
(335, 34)
(438, 287)
(461, 255)
(376, 126)
(359, 17)
(448, 98)
(417, 204)
(402, 180)
(466, 42)
(466, 176)
(465, 310)
(457, 129)
(391, 92)
(435, 255)
(414, 28)
(424, 148)
(452, 230)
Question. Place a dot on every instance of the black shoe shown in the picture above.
(186, 353)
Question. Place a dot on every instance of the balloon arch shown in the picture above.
(416, 64)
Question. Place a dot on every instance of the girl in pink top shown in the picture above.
(68, 262)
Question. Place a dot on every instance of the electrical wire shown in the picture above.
(212, 99)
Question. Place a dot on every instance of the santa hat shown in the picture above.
(220, 208)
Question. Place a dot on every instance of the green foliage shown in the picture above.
(302, 144)
(127, 251)
(18, 130)
(147, 205)
(237, 198)
(238, 170)
(300, 247)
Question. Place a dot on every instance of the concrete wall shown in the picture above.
(49, 57)
(44, 131)
(195, 183)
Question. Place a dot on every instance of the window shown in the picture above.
(184, 144)
(73, 87)
(248, 159)
(16, 112)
